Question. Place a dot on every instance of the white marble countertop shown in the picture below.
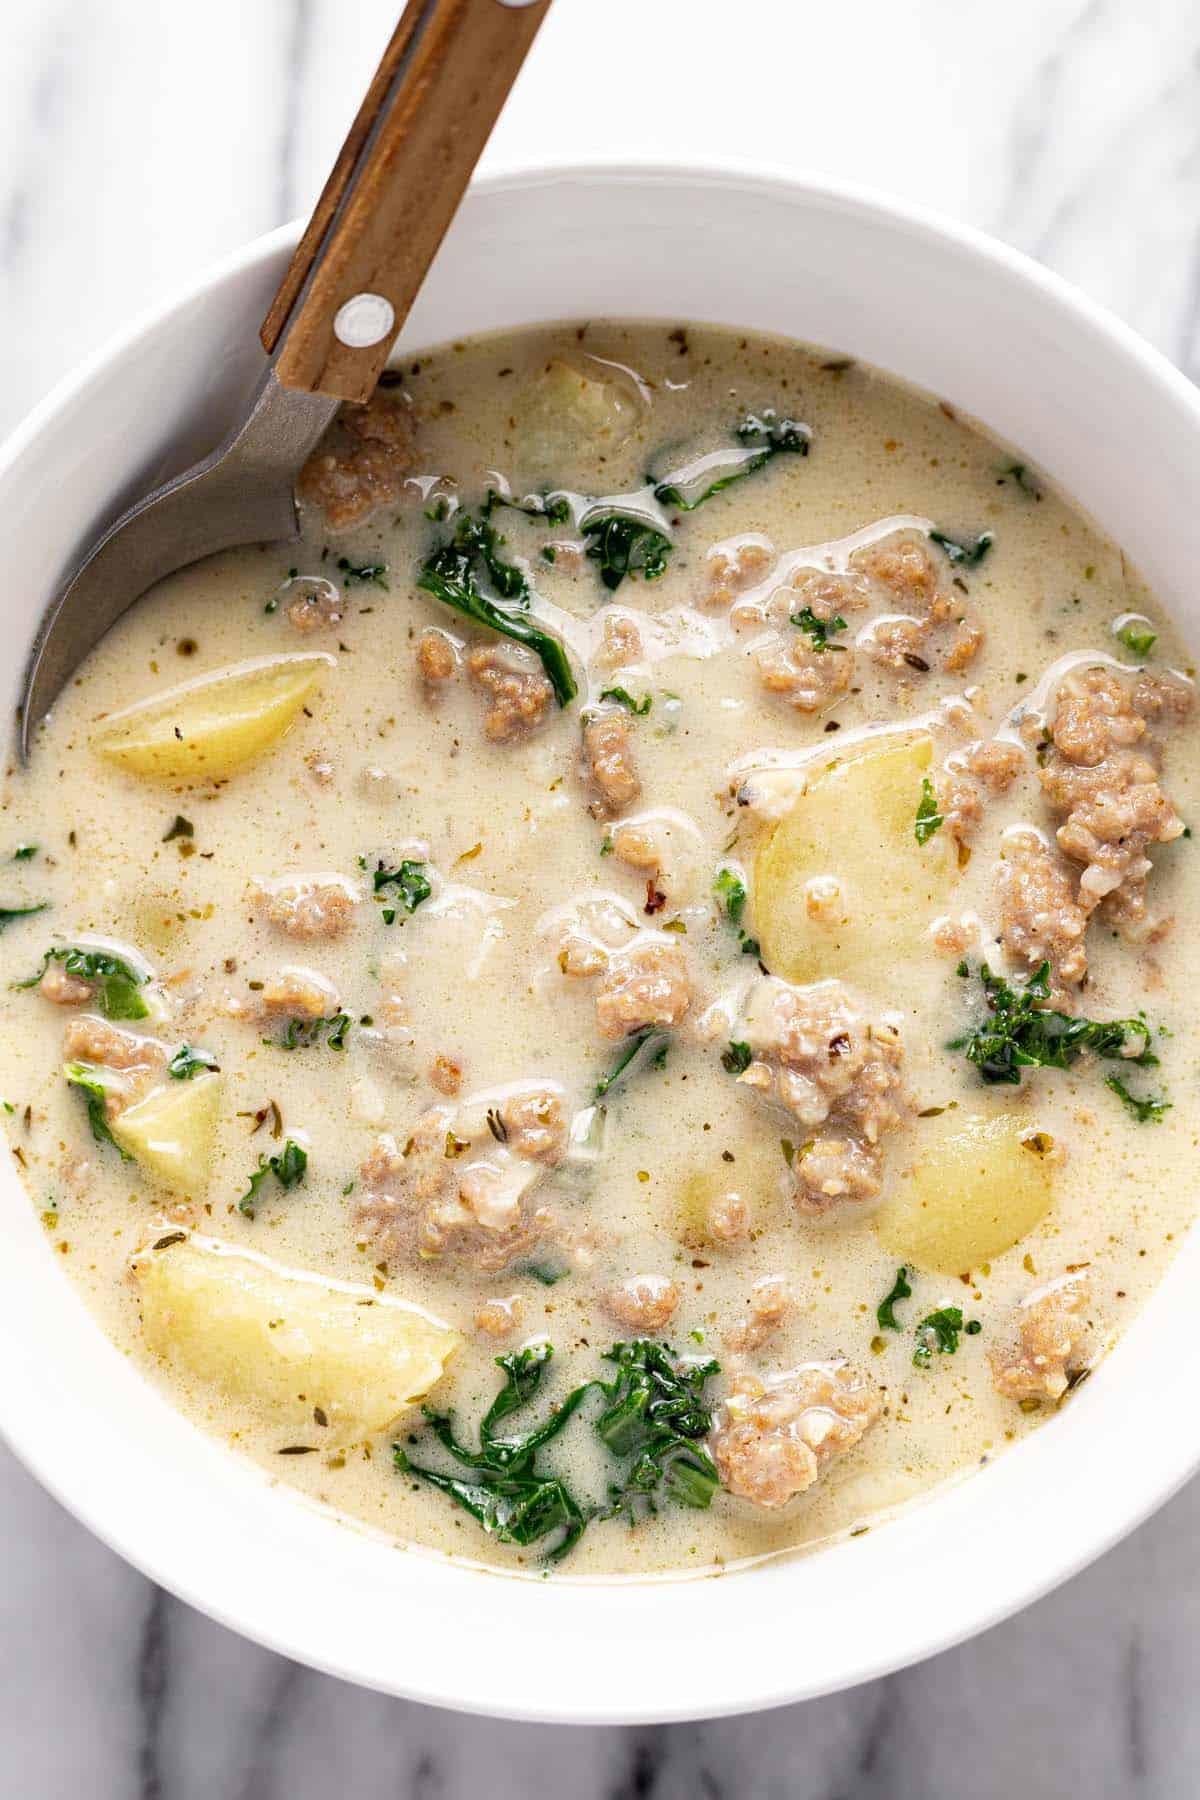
(137, 143)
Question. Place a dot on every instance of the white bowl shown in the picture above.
(1089, 403)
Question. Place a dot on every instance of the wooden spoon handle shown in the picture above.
(394, 189)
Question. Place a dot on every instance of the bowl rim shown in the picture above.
(1178, 1457)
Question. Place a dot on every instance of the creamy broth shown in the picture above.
(451, 892)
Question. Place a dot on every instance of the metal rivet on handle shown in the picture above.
(364, 320)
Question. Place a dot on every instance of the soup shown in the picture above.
(620, 1007)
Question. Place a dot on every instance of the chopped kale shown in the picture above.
(554, 508)
(362, 574)
(885, 1312)
(964, 555)
(1138, 636)
(939, 1332)
(929, 819)
(85, 1078)
(451, 573)
(656, 1415)
(730, 891)
(115, 983)
(623, 697)
(288, 1168)
(1022, 476)
(548, 1273)
(514, 1501)
(622, 546)
(1021, 1031)
(737, 1059)
(819, 629)
(644, 1047)
(411, 887)
(187, 1063)
(302, 1033)
(1146, 1111)
(23, 852)
(760, 438)
(9, 913)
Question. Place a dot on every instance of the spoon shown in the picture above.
(375, 230)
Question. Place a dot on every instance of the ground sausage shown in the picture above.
(320, 606)
(293, 993)
(772, 1440)
(308, 906)
(1051, 1328)
(1040, 919)
(437, 659)
(518, 694)
(134, 1062)
(806, 676)
(647, 984)
(368, 470)
(609, 763)
(1101, 780)
(815, 1051)
(642, 1302)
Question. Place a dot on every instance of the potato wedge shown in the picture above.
(855, 823)
(978, 1183)
(205, 729)
(284, 1341)
(571, 413)
(171, 1132)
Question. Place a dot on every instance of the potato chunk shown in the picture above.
(841, 885)
(570, 413)
(171, 1131)
(203, 730)
(977, 1183)
(285, 1341)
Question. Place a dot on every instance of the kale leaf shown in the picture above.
(85, 1078)
(187, 1063)
(9, 913)
(819, 629)
(761, 438)
(362, 574)
(623, 546)
(1021, 1031)
(651, 1040)
(929, 819)
(514, 1501)
(1138, 636)
(623, 697)
(730, 892)
(451, 574)
(411, 887)
(939, 1331)
(962, 554)
(885, 1312)
(115, 983)
(301, 1034)
(1146, 1111)
(656, 1415)
(288, 1168)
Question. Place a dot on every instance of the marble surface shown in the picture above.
(138, 142)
